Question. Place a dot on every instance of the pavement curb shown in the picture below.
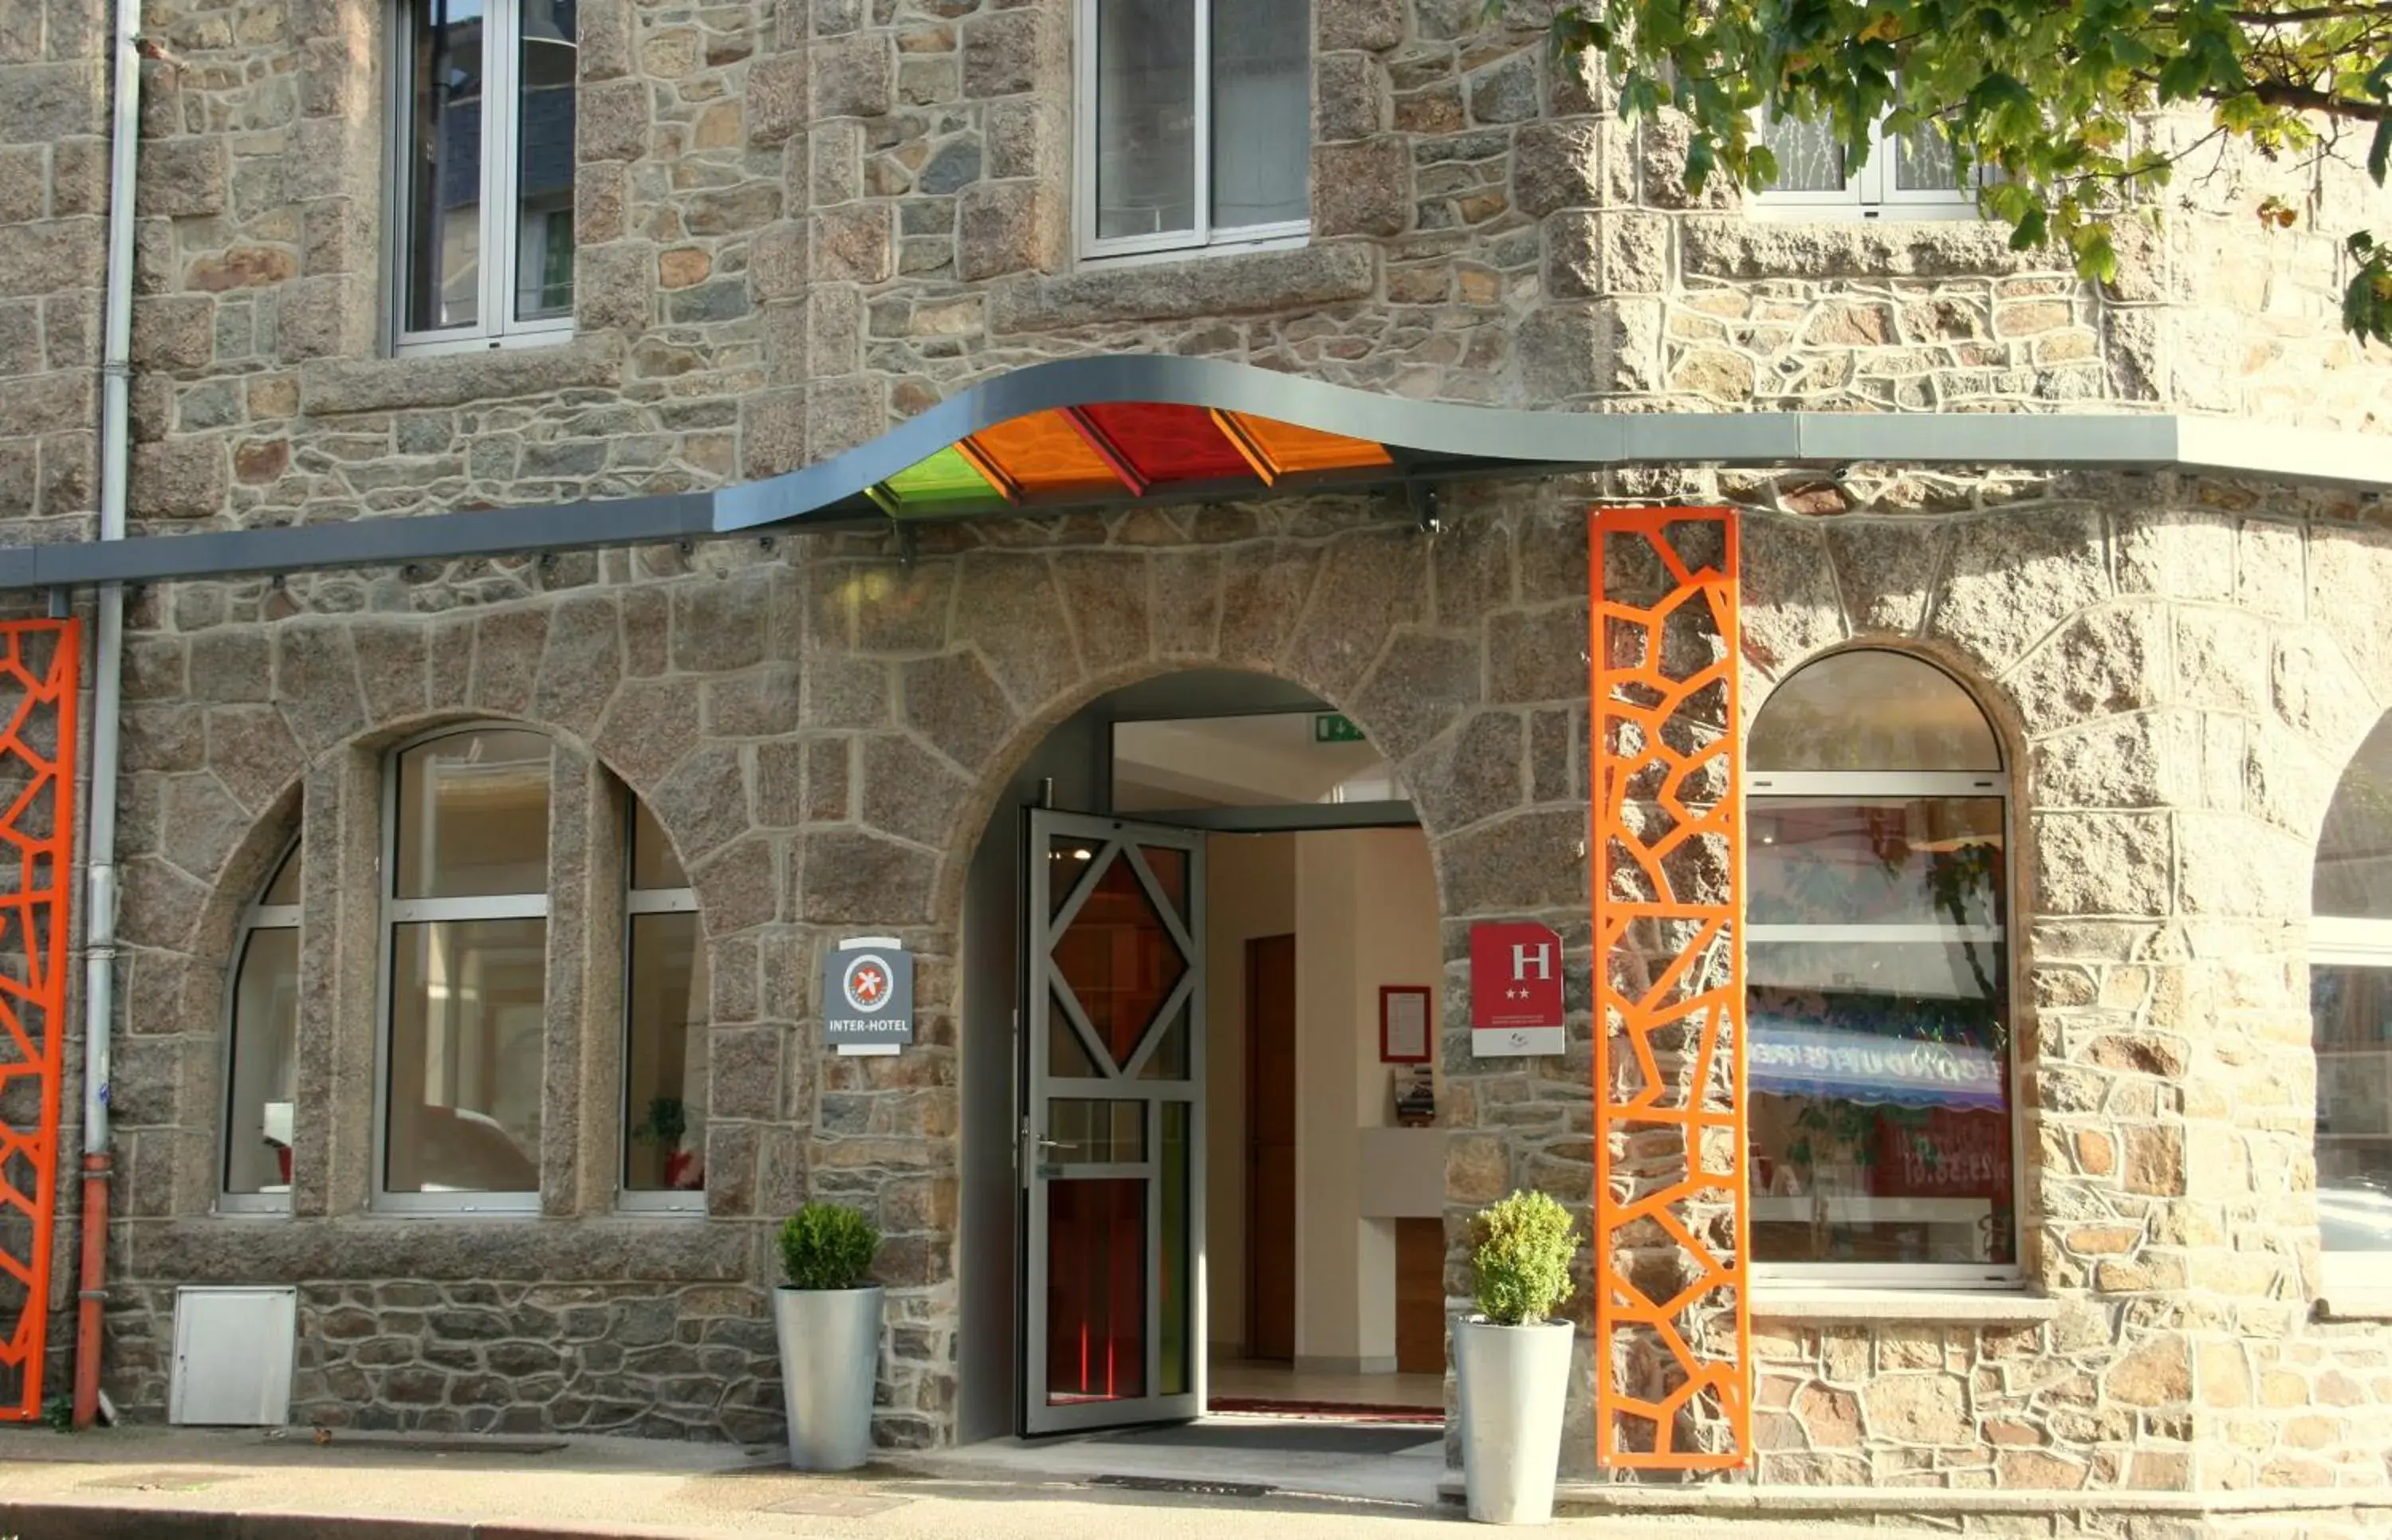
(61, 1520)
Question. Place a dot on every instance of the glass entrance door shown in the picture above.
(1112, 1127)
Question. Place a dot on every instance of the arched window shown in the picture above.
(465, 926)
(1878, 998)
(664, 1027)
(261, 1058)
(2350, 1022)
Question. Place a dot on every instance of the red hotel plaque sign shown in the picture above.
(1516, 990)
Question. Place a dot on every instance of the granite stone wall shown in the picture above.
(822, 729)
(800, 222)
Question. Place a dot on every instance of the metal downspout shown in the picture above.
(99, 828)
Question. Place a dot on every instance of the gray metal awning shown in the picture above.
(1284, 434)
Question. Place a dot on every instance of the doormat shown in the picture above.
(1289, 1437)
(1334, 1411)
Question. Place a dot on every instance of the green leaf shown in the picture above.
(2379, 151)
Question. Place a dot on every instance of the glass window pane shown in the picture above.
(1880, 1098)
(1872, 711)
(2350, 1016)
(1066, 1057)
(1088, 1133)
(1809, 160)
(466, 1056)
(1300, 757)
(1146, 117)
(1262, 113)
(284, 889)
(444, 172)
(1865, 861)
(2354, 860)
(544, 161)
(259, 1079)
(472, 815)
(1923, 161)
(663, 1056)
(1119, 961)
(1096, 1290)
(1169, 1060)
(654, 865)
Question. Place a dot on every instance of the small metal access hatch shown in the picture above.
(233, 1348)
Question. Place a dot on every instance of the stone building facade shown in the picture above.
(797, 222)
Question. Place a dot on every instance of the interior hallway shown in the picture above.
(1242, 1381)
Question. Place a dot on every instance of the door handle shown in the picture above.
(1056, 1144)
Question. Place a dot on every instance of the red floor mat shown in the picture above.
(1336, 1411)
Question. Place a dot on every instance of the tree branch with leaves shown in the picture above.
(2056, 98)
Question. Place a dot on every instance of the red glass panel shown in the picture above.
(1170, 444)
(1169, 865)
(1119, 960)
(1096, 1290)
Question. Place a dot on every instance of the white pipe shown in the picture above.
(107, 673)
(115, 464)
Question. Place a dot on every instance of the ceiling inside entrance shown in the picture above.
(1281, 758)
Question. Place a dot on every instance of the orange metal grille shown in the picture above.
(1671, 1318)
(38, 666)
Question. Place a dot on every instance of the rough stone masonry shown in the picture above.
(797, 222)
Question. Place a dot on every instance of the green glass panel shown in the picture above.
(1178, 1291)
(943, 484)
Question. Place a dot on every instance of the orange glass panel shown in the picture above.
(1292, 450)
(1675, 1392)
(1043, 456)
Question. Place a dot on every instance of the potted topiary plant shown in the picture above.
(828, 1321)
(1513, 1360)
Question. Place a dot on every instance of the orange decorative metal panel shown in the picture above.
(1671, 1318)
(38, 668)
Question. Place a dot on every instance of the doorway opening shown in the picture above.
(1211, 1092)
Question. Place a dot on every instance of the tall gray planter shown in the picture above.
(830, 1355)
(1514, 1381)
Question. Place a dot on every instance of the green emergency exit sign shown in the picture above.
(1330, 726)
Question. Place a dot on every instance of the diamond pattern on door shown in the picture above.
(1119, 959)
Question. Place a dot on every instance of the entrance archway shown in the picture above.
(1111, 1221)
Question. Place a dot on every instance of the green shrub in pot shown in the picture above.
(828, 1246)
(1512, 1359)
(1520, 1256)
(827, 1318)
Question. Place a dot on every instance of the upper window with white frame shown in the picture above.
(1912, 176)
(1195, 124)
(2350, 1016)
(1883, 1120)
(484, 102)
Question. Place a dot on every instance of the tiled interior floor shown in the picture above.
(1245, 1380)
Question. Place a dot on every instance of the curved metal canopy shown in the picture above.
(1145, 428)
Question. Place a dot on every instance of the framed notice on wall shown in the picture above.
(1403, 1024)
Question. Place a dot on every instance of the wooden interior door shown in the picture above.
(1270, 1147)
(1419, 1296)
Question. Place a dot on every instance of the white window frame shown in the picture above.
(2344, 941)
(1871, 192)
(1163, 245)
(1888, 785)
(501, 63)
(396, 912)
(259, 915)
(638, 901)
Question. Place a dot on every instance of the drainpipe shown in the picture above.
(100, 826)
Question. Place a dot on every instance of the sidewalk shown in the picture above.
(158, 1484)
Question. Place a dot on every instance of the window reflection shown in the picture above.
(2350, 1011)
(664, 1059)
(444, 165)
(472, 815)
(264, 1062)
(467, 1055)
